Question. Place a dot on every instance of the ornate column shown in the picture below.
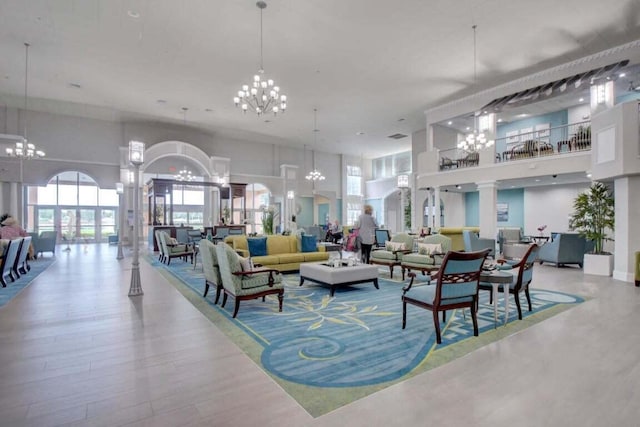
(488, 212)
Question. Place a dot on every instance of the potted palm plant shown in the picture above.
(593, 218)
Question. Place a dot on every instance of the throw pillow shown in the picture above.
(172, 241)
(246, 263)
(257, 246)
(394, 246)
(309, 243)
(429, 248)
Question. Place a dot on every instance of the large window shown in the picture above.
(73, 205)
(392, 165)
(354, 181)
(188, 205)
(257, 200)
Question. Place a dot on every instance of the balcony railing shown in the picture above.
(548, 142)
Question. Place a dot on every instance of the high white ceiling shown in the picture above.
(364, 64)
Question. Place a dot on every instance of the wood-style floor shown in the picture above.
(75, 350)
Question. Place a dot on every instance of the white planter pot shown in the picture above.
(600, 265)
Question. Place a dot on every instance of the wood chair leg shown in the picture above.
(444, 316)
(206, 288)
(516, 296)
(280, 301)
(236, 308)
(391, 271)
(404, 314)
(436, 323)
(218, 291)
(224, 299)
(526, 292)
(474, 318)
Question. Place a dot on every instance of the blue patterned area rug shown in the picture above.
(327, 352)
(14, 288)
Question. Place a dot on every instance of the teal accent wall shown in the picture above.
(513, 198)
(558, 118)
(472, 209)
(305, 217)
(323, 212)
(515, 201)
(339, 210)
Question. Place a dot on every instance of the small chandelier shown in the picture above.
(476, 140)
(184, 174)
(263, 95)
(24, 149)
(315, 174)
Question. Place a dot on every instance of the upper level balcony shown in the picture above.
(555, 141)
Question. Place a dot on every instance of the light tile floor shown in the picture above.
(75, 350)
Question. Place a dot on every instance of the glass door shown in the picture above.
(107, 224)
(68, 225)
(88, 225)
(44, 219)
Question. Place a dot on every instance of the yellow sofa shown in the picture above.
(455, 234)
(282, 252)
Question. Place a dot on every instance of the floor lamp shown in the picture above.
(136, 158)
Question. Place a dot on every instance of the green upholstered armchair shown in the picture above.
(428, 258)
(210, 268)
(170, 250)
(390, 256)
(245, 285)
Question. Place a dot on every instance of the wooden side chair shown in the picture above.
(456, 287)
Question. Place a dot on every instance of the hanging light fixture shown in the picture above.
(263, 95)
(476, 140)
(24, 149)
(315, 174)
(184, 174)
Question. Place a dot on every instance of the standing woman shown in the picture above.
(366, 226)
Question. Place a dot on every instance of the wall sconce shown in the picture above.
(136, 153)
(119, 187)
(291, 194)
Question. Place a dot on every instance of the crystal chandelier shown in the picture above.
(184, 174)
(263, 95)
(24, 149)
(476, 140)
(315, 174)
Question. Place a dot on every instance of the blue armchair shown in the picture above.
(46, 242)
(565, 248)
(473, 243)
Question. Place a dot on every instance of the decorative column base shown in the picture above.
(135, 289)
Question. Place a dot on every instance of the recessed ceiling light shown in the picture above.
(523, 115)
(499, 120)
(360, 133)
(537, 180)
(554, 183)
(621, 75)
(75, 85)
(468, 128)
(588, 175)
(581, 100)
(513, 186)
(458, 186)
(133, 14)
(449, 122)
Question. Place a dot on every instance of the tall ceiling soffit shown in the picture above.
(556, 88)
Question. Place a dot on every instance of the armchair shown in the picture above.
(509, 235)
(211, 268)
(46, 242)
(473, 243)
(244, 285)
(10, 253)
(522, 274)
(456, 287)
(565, 248)
(426, 260)
(170, 251)
(382, 236)
(21, 265)
(391, 256)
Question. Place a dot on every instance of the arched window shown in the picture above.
(75, 206)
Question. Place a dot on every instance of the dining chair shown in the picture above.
(456, 287)
(522, 272)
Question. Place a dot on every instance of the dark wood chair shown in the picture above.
(456, 287)
(522, 275)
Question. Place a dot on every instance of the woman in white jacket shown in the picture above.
(366, 226)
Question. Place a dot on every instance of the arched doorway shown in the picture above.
(73, 205)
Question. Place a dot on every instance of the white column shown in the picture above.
(488, 212)
(1, 198)
(436, 208)
(627, 227)
(13, 200)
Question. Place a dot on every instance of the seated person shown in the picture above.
(10, 228)
(334, 234)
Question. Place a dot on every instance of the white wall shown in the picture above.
(454, 208)
(550, 206)
(579, 113)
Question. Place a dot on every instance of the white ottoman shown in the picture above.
(338, 276)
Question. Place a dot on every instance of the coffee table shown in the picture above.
(325, 274)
